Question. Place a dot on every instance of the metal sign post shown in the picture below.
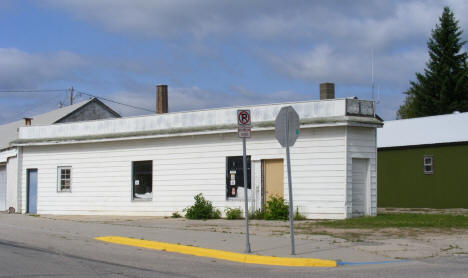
(243, 131)
(286, 132)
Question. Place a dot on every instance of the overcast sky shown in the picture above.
(212, 53)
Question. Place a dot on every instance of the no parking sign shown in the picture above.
(243, 123)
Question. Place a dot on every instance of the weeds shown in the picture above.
(276, 209)
(258, 214)
(298, 216)
(176, 215)
(233, 213)
(202, 209)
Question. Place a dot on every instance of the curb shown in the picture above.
(218, 254)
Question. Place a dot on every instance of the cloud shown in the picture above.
(148, 18)
(291, 41)
(195, 98)
(374, 21)
(22, 70)
(306, 40)
(323, 63)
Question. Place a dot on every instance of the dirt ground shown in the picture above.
(401, 243)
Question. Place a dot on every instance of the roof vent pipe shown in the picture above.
(161, 99)
(327, 91)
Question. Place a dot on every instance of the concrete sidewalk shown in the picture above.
(268, 238)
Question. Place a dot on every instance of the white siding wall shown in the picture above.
(3, 185)
(12, 185)
(184, 167)
(362, 144)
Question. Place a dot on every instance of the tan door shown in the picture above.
(274, 179)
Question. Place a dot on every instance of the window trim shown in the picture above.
(431, 164)
(132, 181)
(229, 186)
(59, 179)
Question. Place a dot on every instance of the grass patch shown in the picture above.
(401, 220)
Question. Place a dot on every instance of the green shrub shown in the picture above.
(258, 214)
(233, 213)
(202, 209)
(176, 215)
(216, 214)
(276, 209)
(298, 216)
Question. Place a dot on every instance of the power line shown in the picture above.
(37, 106)
(79, 92)
(33, 91)
(116, 102)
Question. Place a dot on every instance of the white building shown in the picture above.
(154, 165)
(90, 109)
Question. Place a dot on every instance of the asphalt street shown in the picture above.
(37, 247)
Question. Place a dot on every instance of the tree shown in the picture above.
(443, 87)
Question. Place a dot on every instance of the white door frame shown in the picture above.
(3, 204)
(367, 186)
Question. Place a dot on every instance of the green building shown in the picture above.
(422, 162)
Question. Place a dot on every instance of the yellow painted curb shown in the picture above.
(217, 254)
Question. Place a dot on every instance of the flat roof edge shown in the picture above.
(200, 130)
(439, 144)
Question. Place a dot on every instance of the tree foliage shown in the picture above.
(443, 87)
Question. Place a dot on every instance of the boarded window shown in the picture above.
(64, 178)
(142, 180)
(428, 165)
(235, 174)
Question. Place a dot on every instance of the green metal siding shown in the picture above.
(401, 181)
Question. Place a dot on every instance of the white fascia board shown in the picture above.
(5, 154)
(225, 131)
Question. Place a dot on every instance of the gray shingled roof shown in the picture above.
(9, 132)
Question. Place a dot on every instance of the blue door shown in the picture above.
(32, 191)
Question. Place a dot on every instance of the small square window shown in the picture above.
(428, 165)
(64, 179)
(427, 160)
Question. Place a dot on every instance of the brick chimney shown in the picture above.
(27, 121)
(327, 91)
(161, 99)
